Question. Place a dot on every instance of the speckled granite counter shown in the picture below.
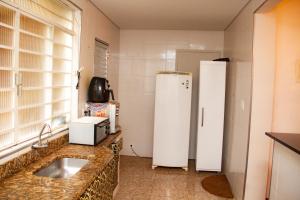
(25, 185)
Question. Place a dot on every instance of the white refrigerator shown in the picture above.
(211, 115)
(172, 119)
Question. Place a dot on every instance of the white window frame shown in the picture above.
(16, 148)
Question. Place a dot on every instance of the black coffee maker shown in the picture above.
(99, 91)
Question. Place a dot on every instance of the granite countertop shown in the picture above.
(25, 185)
(290, 140)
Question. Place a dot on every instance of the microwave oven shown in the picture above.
(89, 130)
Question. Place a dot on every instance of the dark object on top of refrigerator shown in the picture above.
(222, 59)
(99, 91)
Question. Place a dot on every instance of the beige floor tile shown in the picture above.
(139, 182)
(167, 198)
(141, 197)
(122, 196)
(204, 196)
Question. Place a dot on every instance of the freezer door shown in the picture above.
(211, 115)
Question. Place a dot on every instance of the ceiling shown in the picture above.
(171, 14)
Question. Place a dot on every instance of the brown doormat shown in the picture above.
(217, 185)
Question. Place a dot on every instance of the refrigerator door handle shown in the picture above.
(202, 117)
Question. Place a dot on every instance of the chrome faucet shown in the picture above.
(39, 143)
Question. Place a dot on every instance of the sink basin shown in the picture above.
(62, 168)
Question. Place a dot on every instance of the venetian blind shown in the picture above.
(100, 59)
(37, 47)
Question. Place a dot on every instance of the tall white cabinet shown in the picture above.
(172, 119)
(211, 115)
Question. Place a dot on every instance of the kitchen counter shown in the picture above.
(291, 141)
(25, 185)
(285, 176)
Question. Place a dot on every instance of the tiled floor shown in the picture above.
(139, 182)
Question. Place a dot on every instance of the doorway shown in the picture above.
(275, 86)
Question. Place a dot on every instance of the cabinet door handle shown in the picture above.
(202, 117)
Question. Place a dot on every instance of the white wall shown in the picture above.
(96, 25)
(142, 54)
(276, 48)
(264, 61)
(238, 42)
(286, 115)
(286, 106)
(238, 46)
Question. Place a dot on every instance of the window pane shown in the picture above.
(5, 58)
(31, 61)
(61, 107)
(58, 8)
(6, 139)
(36, 79)
(6, 16)
(5, 79)
(61, 79)
(60, 121)
(5, 100)
(62, 52)
(31, 43)
(32, 115)
(61, 93)
(6, 120)
(62, 65)
(33, 97)
(62, 37)
(6, 36)
(35, 67)
(53, 11)
(28, 132)
(35, 27)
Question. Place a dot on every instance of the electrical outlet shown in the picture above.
(133, 151)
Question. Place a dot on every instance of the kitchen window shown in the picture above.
(100, 59)
(39, 51)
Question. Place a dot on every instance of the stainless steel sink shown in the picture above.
(62, 168)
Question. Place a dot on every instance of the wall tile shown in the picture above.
(142, 54)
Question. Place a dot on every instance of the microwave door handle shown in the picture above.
(101, 124)
(106, 124)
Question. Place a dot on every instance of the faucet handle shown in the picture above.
(39, 144)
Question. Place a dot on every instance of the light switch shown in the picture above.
(243, 105)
